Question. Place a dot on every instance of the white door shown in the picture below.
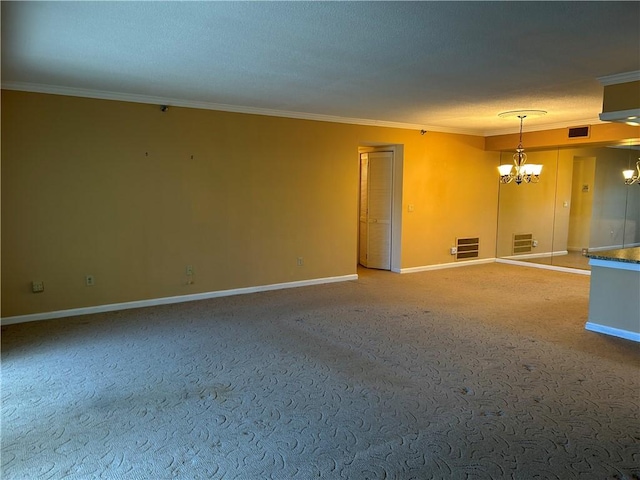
(376, 193)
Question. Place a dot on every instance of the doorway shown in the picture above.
(376, 209)
(397, 152)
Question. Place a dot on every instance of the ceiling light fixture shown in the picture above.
(520, 171)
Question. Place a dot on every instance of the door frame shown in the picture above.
(396, 199)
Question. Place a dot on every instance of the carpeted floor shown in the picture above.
(481, 372)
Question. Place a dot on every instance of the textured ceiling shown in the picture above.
(441, 65)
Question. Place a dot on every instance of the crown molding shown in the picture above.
(619, 78)
(175, 102)
(546, 126)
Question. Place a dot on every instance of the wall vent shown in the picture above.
(522, 243)
(579, 132)
(467, 248)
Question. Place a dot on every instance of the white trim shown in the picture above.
(545, 267)
(621, 115)
(615, 264)
(167, 300)
(616, 332)
(613, 247)
(619, 78)
(176, 102)
(538, 255)
(441, 266)
(606, 247)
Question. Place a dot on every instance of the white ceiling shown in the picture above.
(448, 66)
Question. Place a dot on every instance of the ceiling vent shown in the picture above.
(579, 132)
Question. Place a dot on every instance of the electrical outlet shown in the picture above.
(534, 243)
(89, 280)
(453, 250)
(37, 287)
(300, 261)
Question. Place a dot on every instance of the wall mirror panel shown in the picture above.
(580, 204)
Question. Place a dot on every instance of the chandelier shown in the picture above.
(520, 171)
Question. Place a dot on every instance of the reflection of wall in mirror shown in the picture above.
(584, 170)
(529, 208)
(616, 207)
(578, 219)
(561, 219)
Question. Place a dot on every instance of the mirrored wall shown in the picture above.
(580, 204)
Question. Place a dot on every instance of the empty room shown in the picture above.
(338, 240)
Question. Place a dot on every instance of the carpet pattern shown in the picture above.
(434, 375)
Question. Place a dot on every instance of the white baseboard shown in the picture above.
(440, 266)
(167, 300)
(543, 266)
(606, 247)
(616, 332)
(613, 247)
(537, 255)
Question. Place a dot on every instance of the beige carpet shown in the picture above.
(482, 372)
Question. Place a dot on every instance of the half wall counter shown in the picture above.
(614, 295)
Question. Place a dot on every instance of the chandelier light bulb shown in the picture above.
(632, 176)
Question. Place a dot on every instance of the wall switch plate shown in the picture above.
(300, 261)
(89, 280)
(189, 271)
(37, 287)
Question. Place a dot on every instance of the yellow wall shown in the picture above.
(599, 134)
(110, 189)
(454, 187)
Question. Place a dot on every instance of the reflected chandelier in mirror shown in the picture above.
(632, 176)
